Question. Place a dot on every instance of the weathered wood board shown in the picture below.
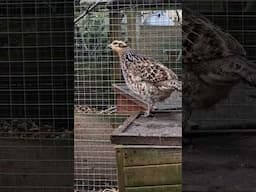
(161, 129)
(149, 168)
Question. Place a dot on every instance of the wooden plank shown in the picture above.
(144, 156)
(125, 124)
(127, 106)
(149, 140)
(128, 101)
(163, 188)
(152, 175)
(120, 135)
(120, 170)
(122, 89)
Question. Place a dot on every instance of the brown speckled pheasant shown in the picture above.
(146, 77)
(213, 63)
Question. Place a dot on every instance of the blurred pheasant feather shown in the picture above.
(213, 63)
(146, 77)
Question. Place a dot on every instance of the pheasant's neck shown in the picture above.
(124, 56)
(125, 52)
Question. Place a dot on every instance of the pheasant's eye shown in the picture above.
(115, 43)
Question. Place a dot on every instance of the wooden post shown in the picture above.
(131, 28)
(115, 34)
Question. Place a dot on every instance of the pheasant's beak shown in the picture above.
(109, 46)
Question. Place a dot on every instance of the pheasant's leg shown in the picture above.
(185, 119)
(148, 112)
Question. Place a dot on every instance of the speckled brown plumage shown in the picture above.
(145, 76)
(213, 63)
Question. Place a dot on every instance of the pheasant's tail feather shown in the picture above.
(170, 85)
(177, 85)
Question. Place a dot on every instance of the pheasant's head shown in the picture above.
(118, 46)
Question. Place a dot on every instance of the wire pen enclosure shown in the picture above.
(36, 95)
(102, 100)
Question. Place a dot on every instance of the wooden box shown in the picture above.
(149, 153)
(128, 103)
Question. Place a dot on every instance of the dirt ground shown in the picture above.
(220, 163)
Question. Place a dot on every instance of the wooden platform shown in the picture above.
(148, 153)
(163, 129)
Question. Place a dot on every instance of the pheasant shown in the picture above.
(213, 63)
(145, 76)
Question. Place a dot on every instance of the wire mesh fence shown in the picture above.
(102, 100)
(236, 18)
(36, 95)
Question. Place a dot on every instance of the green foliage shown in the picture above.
(93, 32)
(93, 66)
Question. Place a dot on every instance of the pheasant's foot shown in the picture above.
(149, 110)
(148, 114)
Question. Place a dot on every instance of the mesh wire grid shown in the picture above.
(36, 95)
(154, 29)
(238, 19)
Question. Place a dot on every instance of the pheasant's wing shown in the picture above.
(149, 70)
(152, 71)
